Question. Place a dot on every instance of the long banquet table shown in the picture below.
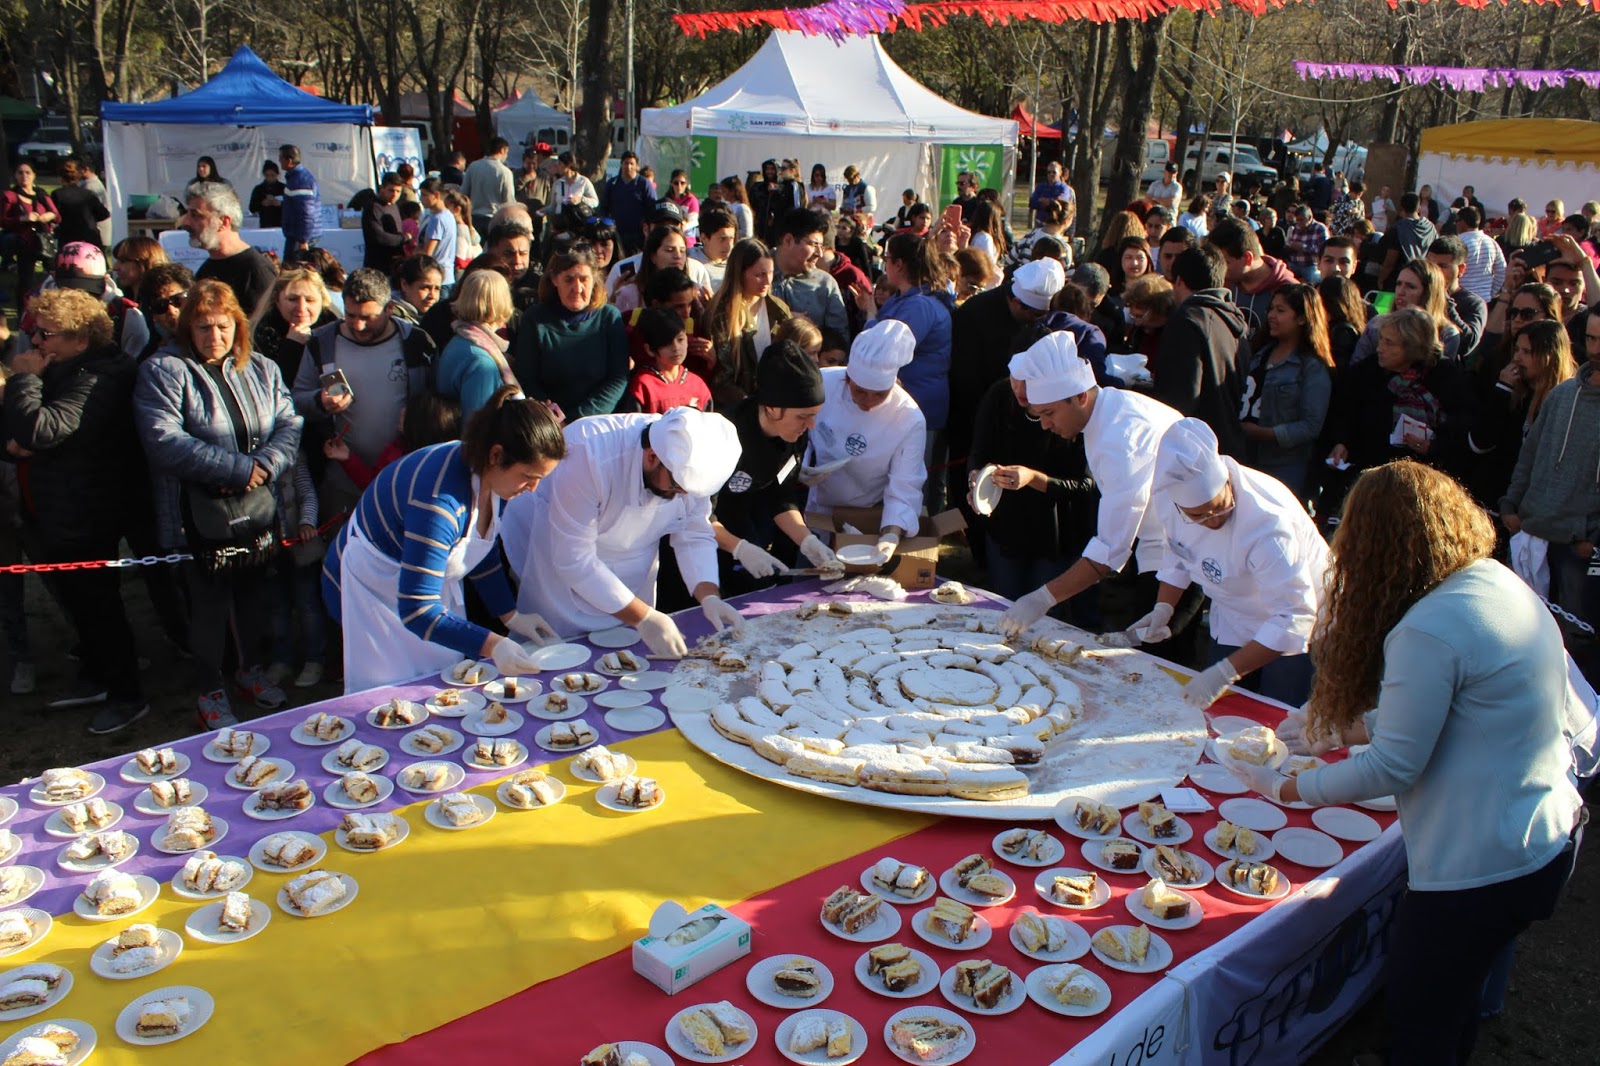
(510, 942)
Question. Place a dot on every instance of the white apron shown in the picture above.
(378, 649)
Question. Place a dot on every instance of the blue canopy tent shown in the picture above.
(239, 118)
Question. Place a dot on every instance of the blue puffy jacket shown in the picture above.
(927, 377)
(302, 205)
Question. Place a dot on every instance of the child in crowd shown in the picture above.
(410, 223)
(426, 419)
(835, 349)
(661, 381)
(802, 331)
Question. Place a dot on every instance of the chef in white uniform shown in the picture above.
(1250, 544)
(1121, 431)
(871, 424)
(587, 543)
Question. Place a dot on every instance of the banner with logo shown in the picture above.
(984, 160)
(393, 145)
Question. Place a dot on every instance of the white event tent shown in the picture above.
(526, 119)
(818, 101)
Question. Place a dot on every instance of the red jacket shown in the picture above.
(847, 274)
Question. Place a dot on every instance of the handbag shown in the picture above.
(231, 532)
(49, 245)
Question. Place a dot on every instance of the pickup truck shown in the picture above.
(52, 142)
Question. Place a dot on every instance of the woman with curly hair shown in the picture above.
(1453, 672)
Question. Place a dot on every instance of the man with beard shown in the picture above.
(212, 221)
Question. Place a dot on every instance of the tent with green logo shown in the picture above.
(834, 103)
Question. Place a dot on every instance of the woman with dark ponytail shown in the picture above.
(393, 577)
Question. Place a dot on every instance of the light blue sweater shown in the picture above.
(1468, 734)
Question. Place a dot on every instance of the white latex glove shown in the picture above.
(1151, 629)
(811, 476)
(531, 625)
(1295, 733)
(818, 553)
(1026, 611)
(1260, 779)
(887, 543)
(757, 562)
(662, 636)
(511, 660)
(1206, 687)
(721, 615)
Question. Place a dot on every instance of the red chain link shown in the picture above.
(148, 560)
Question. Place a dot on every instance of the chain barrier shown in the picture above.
(149, 560)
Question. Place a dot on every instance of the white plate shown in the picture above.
(688, 698)
(617, 700)
(299, 735)
(527, 688)
(561, 794)
(334, 795)
(278, 815)
(8, 809)
(926, 981)
(33, 880)
(408, 744)
(929, 887)
(1220, 748)
(1135, 827)
(885, 924)
(583, 773)
(542, 738)
(618, 674)
(858, 554)
(471, 700)
(145, 803)
(1253, 813)
(1102, 888)
(96, 864)
(434, 817)
(171, 947)
(589, 677)
(1214, 777)
(1207, 872)
(1064, 818)
(131, 773)
(953, 889)
(12, 850)
(1226, 725)
(1046, 999)
(490, 672)
(1054, 852)
(1134, 901)
(341, 838)
(683, 1048)
(615, 637)
(41, 922)
(258, 747)
(1015, 997)
(311, 840)
(422, 716)
(522, 757)
(606, 796)
(351, 889)
(576, 705)
(202, 924)
(1283, 889)
(652, 1054)
(558, 656)
(1158, 958)
(54, 996)
(646, 681)
(219, 829)
(176, 884)
(201, 1007)
(335, 767)
(1077, 945)
(96, 784)
(976, 939)
(285, 773)
(454, 775)
(985, 493)
(959, 1051)
(1307, 847)
(758, 979)
(1345, 824)
(56, 825)
(87, 1038)
(636, 719)
(1382, 804)
(1263, 847)
(149, 889)
(858, 1039)
(474, 724)
(1091, 855)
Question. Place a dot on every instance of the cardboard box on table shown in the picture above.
(674, 967)
(916, 560)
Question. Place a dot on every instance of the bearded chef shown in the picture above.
(587, 543)
(1249, 543)
(867, 447)
(1121, 431)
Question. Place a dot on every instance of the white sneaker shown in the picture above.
(310, 675)
(263, 693)
(279, 672)
(24, 679)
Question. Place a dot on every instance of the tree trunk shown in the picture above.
(1542, 62)
(1137, 103)
(1389, 124)
(1180, 138)
(1091, 126)
(592, 145)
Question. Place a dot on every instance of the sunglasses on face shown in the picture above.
(169, 303)
(1524, 314)
(37, 335)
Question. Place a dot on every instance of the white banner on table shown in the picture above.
(393, 145)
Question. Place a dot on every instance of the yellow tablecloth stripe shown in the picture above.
(449, 922)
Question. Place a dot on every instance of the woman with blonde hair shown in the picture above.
(1420, 284)
(1150, 303)
(1453, 673)
(1521, 231)
(1291, 383)
(473, 366)
(740, 321)
(296, 305)
(1541, 359)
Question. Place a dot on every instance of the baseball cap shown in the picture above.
(666, 211)
(81, 265)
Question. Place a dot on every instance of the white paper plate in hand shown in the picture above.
(56, 824)
(1214, 777)
(145, 803)
(1043, 883)
(336, 796)
(858, 554)
(102, 962)
(819, 1056)
(985, 493)
(959, 1051)
(204, 924)
(1015, 997)
(131, 773)
(1226, 725)
(201, 1007)
(927, 977)
(884, 924)
(1076, 947)
(149, 889)
(1345, 824)
(54, 996)
(1158, 958)
(1221, 748)
(87, 1038)
(96, 783)
(758, 979)
(684, 1048)
(1040, 994)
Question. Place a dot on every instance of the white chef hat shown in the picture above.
(698, 449)
(1035, 283)
(1052, 369)
(1188, 467)
(878, 353)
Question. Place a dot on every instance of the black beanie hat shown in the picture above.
(786, 377)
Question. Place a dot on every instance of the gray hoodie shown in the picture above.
(1555, 488)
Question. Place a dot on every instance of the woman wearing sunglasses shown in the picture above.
(162, 291)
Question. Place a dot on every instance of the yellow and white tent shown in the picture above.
(1538, 159)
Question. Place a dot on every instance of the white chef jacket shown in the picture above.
(587, 542)
(885, 445)
(1263, 569)
(1120, 442)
